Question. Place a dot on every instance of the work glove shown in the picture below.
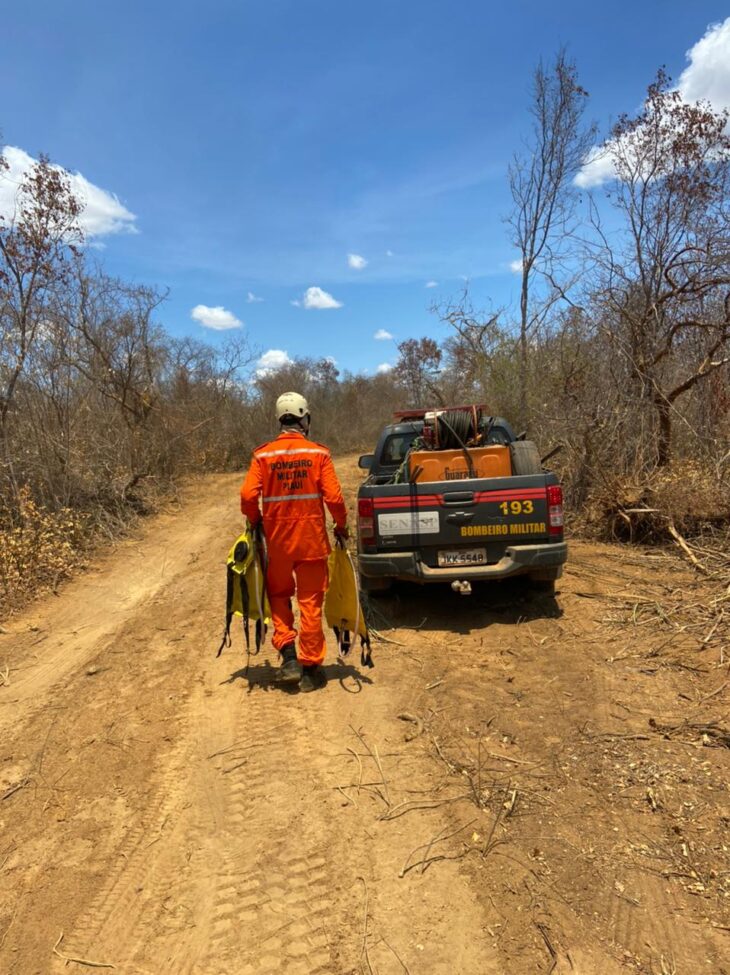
(342, 533)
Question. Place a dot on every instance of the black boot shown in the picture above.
(290, 671)
(312, 678)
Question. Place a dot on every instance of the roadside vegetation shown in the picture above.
(616, 350)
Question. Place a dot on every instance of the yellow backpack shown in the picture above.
(342, 607)
(246, 590)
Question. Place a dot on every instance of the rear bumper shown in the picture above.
(517, 560)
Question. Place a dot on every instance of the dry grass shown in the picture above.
(37, 549)
(687, 496)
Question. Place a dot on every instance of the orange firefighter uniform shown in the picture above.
(294, 478)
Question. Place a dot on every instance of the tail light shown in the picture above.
(366, 521)
(555, 509)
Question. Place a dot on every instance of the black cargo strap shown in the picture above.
(344, 645)
(245, 612)
(244, 607)
(226, 641)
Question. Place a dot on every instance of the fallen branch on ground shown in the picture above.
(426, 861)
(682, 544)
(364, 949)
(373, 753)
(413, 805)
(79, 961)
(711, 732)
(548, 945)
(14, 788)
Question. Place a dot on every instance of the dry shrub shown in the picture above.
(37, 549)
(687, 495)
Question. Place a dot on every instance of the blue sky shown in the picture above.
(258, 144)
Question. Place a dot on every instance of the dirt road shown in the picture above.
(522, 785)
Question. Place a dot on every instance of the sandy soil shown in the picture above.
(522, 785)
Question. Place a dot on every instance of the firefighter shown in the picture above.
(294, 478)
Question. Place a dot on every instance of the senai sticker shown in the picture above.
(409, 523)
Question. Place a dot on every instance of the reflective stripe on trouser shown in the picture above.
(311, 585)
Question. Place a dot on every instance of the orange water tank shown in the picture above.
(451, 465)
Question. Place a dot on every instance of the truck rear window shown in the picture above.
(395, 448)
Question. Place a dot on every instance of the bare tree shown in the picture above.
(541, 185)
(35, 245)
(417, 371)
(665, 280)
(473, 350)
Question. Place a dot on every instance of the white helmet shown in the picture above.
(291, 404)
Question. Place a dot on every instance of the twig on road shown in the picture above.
(548, 945)
(373, 753)
(349, 798)
(713, 693)
(425, 861)
(359, 763)
(15, 788)
(403, 965)
(384, 639)
(414, 805)
(79, 961)
(364, 949)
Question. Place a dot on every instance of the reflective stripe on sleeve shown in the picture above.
(292, 497)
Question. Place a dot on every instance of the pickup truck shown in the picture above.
(462, 528)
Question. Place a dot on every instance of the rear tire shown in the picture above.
(525, 458)
(376, 585)
(543, 580)
(545, 586)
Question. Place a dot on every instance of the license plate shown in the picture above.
(464, 556)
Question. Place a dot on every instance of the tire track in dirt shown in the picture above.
(272, 888)
(218, 875)
(155, 898)
(645, 916)
(61, 633)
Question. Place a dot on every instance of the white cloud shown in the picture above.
(356, 262)
(432, 284)
(382, 335)
(384, 368)
(272, 361)
(218, 317)
(103, 214)
(706, 78)
(597, 169)
(516, 266)
(389, 254)
(252, 299)
(319, 299)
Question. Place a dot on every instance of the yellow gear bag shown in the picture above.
(246, 590)
(342, 607)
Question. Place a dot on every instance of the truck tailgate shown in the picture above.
(478, 513)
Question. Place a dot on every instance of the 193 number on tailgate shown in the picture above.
(517, 508)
